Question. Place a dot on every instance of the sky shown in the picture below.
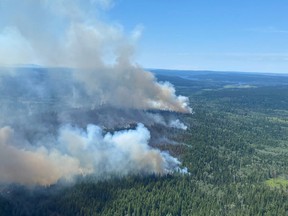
(225, 35)
(222, 35)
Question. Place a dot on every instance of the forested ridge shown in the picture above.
(235, 149)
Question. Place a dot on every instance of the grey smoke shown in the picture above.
(65, 34)
(37, 166)
(177, 124)
(81, 152)
(173, 123)
(33, 137)
(91, 69)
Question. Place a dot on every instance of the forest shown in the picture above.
(235, 150)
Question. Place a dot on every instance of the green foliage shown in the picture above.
(279, 183)
(236, 151)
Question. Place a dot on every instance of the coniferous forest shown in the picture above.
(235, 149)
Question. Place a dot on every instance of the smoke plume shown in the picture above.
(79, 152)
(173, 123)
(67, 34)
(62, 65)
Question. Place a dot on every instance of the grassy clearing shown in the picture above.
(277, 183)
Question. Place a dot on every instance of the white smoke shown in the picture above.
(79, 152)
(99, 55)
(67, 34)
(173, 123)
(177, 124)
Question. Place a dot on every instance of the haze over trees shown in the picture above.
(235, 149)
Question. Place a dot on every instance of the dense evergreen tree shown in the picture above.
(235, 150)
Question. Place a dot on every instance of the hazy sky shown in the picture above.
(237, 35)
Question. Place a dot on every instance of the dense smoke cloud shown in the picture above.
(67, 34)
(32, 166)
(86, 67)
(79, 152)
